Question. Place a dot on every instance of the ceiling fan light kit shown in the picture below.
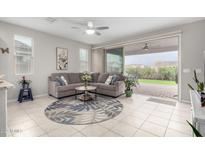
(90, 31)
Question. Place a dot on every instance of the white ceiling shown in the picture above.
(119, 27)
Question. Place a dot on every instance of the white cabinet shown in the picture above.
(3, 107)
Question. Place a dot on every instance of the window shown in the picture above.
(114, 60)
(23, 55)
(83, 60)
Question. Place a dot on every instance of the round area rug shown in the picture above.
(76, 112)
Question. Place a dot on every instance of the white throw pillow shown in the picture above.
(109, 79)
(64, 80)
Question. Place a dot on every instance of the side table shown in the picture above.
(25, 94)
(86, 96)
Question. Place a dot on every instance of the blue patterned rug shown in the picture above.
(76, 112)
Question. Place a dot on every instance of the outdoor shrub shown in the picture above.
(160, 73)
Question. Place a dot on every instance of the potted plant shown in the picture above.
(200, 88)
(195, 131)
(24, 82)
(200, 85)
(86, 78)
(129, 84)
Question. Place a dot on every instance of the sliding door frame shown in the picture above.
(177, 34)
(179, 65)
(179, 68)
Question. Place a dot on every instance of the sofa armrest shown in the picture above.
(120, 85)
(54, 83)
(52, 86)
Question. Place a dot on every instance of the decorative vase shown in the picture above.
(85, 84)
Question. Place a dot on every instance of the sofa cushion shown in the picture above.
(102, 77)
(107, 87)
(74, 77)
(71, 86)
(94, 77)
(54, 75)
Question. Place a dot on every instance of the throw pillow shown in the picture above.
(115, 78)
(59, 80)
(64, 80)
(109, 79)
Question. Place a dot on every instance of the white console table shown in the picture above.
(198, 112)
(3, 107)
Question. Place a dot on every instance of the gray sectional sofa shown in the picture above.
(74, 80)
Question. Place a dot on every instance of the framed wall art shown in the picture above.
(61, 58)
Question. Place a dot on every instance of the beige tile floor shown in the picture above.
(139, 118)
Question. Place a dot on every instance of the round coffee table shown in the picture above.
(86, 96)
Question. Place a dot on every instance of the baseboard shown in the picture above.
(36, 96)
(41, 95)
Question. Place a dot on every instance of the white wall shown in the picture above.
(45, 57)
(192, 48)
(98, 61)
(193, 45)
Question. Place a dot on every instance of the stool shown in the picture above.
(25, 94)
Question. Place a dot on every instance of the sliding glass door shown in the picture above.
(114, 60)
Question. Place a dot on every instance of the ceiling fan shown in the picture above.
(146, 47)
(91, 29)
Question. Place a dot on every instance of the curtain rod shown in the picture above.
(141, 40)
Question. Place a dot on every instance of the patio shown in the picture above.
(165, 91)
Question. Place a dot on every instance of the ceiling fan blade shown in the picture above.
(102, 28)
(97, 33)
